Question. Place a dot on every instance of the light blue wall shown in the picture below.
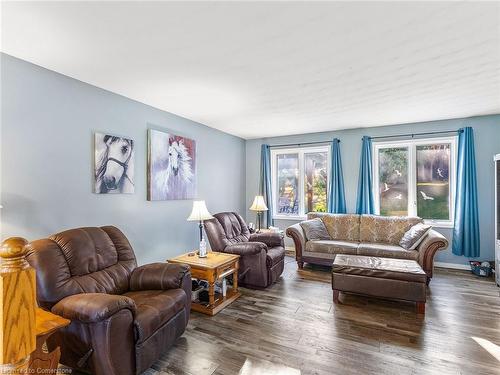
(487, 140)
(47, 153)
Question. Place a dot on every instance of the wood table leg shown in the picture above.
(235, 281)
(421, 308)
(336, 295)
(211, 293)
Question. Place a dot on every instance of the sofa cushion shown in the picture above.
(343, 227)
(275, 255)
(154, 309)
(412, 238)
(386, 251)
(332, 247)
(385, 229)
(314, 229)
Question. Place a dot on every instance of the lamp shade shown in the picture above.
(199, 212)
(258, 204)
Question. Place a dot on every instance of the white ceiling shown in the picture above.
(258, 69)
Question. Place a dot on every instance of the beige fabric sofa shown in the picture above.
(369, 235)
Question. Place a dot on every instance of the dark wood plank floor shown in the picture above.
(293, 328)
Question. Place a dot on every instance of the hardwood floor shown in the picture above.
(294, 328)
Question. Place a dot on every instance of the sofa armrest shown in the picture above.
(92, 307)
(269, 238)
(430, 245)
(158, 276)
(246, 248)
(299, 239)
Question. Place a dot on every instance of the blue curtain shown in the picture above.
(466, 228)
(265, 181)
(336, 195)
(365, 203)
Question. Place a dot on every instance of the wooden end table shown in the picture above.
(46, 324)
(212, 268)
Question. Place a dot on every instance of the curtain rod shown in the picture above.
(417, 134)
(302, 144)
(379, 137)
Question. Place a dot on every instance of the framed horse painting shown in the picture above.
(171, 166)
(113, 164)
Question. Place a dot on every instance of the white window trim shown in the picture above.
(274, 183)
(412, 177)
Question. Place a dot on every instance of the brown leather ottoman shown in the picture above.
(379, 277)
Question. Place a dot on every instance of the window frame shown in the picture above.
(412, 174)
(301, 151)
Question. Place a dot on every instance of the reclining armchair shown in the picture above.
(261, 254)
(123, 317)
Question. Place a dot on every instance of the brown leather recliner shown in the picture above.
(123, 317)
(262, 254)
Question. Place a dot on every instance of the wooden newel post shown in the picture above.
(17, 306)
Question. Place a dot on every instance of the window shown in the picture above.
(299, 181)
(416, 178)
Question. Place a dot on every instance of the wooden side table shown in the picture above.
(212, 268)
(46, 324)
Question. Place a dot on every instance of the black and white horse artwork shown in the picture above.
(114, 164)
(172, 166)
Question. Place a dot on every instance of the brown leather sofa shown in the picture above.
(123, 317)
(369, 235)
(262, 254)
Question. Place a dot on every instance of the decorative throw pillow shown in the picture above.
(412, 238)
(385, 229)
(315, 230)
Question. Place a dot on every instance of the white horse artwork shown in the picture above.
(114, 164)
(171, 172)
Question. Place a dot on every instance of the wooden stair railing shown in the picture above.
(17, 307)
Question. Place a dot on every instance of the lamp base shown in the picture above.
(259, 214)
(202, 252)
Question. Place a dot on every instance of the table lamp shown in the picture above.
(260, 206)
(199, 214)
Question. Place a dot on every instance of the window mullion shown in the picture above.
(301, 191)
(274, 181)
(376, 179)
(412, 175)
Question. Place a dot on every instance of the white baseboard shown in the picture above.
(290, 251)
(453, 266)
